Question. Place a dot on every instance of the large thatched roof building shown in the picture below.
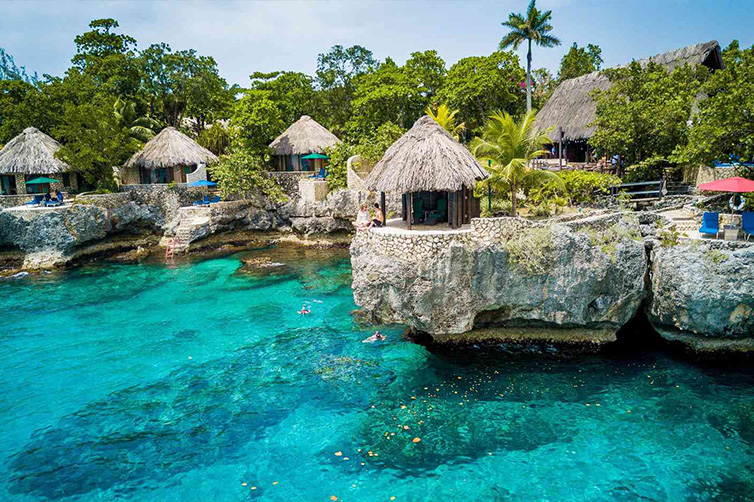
(169, 156)
(30, 155)
(427, 165)
(303, 137)
(571, 109)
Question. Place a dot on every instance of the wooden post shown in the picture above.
(404, 213)
(560, 148)
(382, 206)
(410, 211)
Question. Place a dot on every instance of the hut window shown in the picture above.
(66, 180)
(187, 170)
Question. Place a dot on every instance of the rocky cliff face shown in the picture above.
(702, 294)
(573, 282)
(567, 282)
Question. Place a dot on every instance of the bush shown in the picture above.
(531, 249)
(582, 185)
(337, 169)
(239, 174)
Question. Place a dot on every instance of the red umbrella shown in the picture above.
(737, 185)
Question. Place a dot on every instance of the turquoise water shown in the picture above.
(148, 383)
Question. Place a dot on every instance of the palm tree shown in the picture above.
(534, 27)
(507, 147)
(140, 128)
(447, 119)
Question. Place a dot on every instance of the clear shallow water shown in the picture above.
(146, 383)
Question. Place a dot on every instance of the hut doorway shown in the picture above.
(434, 207)
(7, 184)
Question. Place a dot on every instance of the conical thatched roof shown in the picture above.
(171, 148)
(304, 136)
(572, 109)
(425, 158)
(31, 152)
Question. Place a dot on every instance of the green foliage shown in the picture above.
(652, 169)
(543, 86)
(257, 118)
(140, 128)
(94, 141)
(581, 186)
(239, 174)
(715, 257)
(479, 85)
(607, 240)
(579, 61)
(534, 26)
(447, 120)
(292, 92)
(373, 147)
(724, 123)
(669, 237)
(337, 169)
(531, 249)
(645, 111)
(216, 139)
(9, 70)
(506, 148)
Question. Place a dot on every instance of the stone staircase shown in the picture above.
(190, 219)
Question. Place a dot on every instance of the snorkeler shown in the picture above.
(304, 310)
(376, 337)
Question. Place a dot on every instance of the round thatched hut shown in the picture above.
(304, 137)
(171, 156)
(31, 155)
(433, 172)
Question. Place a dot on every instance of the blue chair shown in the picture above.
(710, 224)
(321, 175)
(747, 223)
(55, 202)
(37, 200)
(214, 199)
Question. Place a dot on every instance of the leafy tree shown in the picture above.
(645, 111)
(293, 93)
(240, 174)
(257, 117)
(724, 123)
(216, 139)
(447, 119)
(336, 70)
(427, 70)
(9, 70)
(544, 84)
(479, 85)
(533, 27)
(183, 82)
(94, 140)
(373, 147)
(337, 169)
(507, 147)
(579, 61)
(108, 57)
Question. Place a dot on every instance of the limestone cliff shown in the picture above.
(577, 281)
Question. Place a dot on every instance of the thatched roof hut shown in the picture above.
(171, 148)
(572, 109)
(304, 136)
(426, 158)
(31, 152)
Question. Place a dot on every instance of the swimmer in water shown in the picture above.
(304, 310)
(376, 337)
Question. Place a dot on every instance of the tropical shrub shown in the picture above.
(337, 169)
(240, 173)
(581, 185)
(531, 250)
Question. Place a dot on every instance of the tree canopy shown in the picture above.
(579, 61)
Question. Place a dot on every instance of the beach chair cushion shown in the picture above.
(710, 224)
(747, 222)
(418, 210)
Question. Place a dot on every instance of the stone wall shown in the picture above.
(15, 200)
(288, 180)
(107, 200)
(167, 198)
(706, 174)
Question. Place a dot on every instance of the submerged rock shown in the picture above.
(581, 279)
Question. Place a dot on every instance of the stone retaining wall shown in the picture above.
(106, 200)
(423, 246)
(14, 200)
(288, 180)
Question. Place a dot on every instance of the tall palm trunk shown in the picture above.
(528, 78)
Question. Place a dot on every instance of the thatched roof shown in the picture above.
(426, 158)
(31, 152)
(572, 109)
(171, 148)
(304, 136)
